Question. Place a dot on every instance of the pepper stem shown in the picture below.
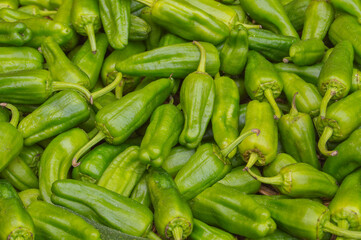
(331, 228)
(326, 98)
(294, 110)
(108, 88)
(57, 86)
(93, 133)
(342, 224)
(177, 233)
(119, 89)
(249, 26)
(47, 13)
(100, 136)
(251, 161)
(202, 62)
(146, 2)
(151, 235)
(14, 113)
(89, 28)
(326, 135)
(236, 142)
(269, 96)
(276, 180)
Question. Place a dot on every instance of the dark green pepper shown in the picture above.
(282, 160)
(31, 156)
(166, 124)
(203, 231)
(156, 31)
(352, 7)
(308, 73)
(14, 34)
(139, 29)
(176, 159)
(296, 12)
(141, 192)
(306, 52)
(172, 214)
(36, 11)
(170, 39)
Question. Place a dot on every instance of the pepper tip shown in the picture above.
(334, 153)
(75, 163)
(3, 104)
(256, 131)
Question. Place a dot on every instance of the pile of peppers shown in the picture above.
(180, 119)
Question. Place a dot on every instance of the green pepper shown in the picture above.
(28, 196)
(156, 31)
(14, 34)
(271, 14)
(10, 138)
(352, 7)
(318, 18)
(262, 81)
(162, 134)
(89, 125)
(94, 163)
(36, 11)
(118, 212)
(302, 218)
(14, 4)
(336, 75)
(306, 52)
(135, 6)
(296, 12)
(260, 149)
(12, 15)
(225, 123)
(31, 156)
(19, 58)
(57, 223)
(172, 214)
(170, 39)
(123, 173)
(141, 193)
(298, 136)
(177, 60)
(233, 55)
(15, 222)
(220, 205)
(139, 29)
(308, 73)
(271, 45)
(341, 120)
(40, 3)
(282, 160)
(204, 231)
(241, 88)
(176, 159)
(4, 115)
(276, 235)
(88, 62)
(33, 87)
(85, 18)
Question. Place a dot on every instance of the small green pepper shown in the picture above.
(19, 58)
(139, 29)
(203, 231)
(176, 159)
(306, 52)
(14, 34)
(141, 193)
(12, 15)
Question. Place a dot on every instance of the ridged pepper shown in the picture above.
(139, 29)
(36, 11)
(219, 205)
(94, 163)
(56, 159)
(177, 60)
(33, 87)
(123, 173)
(233, 55)
(308, 73)
(352, 7)
(336, 75)
(296, 11)
(341, 120)
(271, 45)
(308, 99)
(57, 223)
(116, 211)
(203, 231)
(115, 17)
(298, 136)
(302, 218)
(271, 14)
(262, 81)
(172, 214)
(306, 52)
(14, 4)
(10, 138)
(19, 58)
(141, 193)
(15, 222)
(156, 31)
(282, 160)
(348, 158)
(85, 18)
(225, 123)
(166, 124)
(14, 34)
(197, 96)
(28, 196)
(31, 156)
(260, 149)
(318, 18)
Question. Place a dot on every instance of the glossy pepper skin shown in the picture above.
(141, 193)
(28, 196)
(312, 220)
(139, 29)
(172, 214)
(54, 222)
(225, 123)
(318, 18)
(233, 55)
(271, 45)
(341, 120)
(336, 75)
(31, 156)
(10, 137)
(306, 52)
(15, 222)
(203, 231)
(36, 11)
(160, 62)
(262, 81)
(14, 34)
(309, 74)
(94, 163)
(170, 39)
(352, 7)
(19, 58)
(298, 136)
(197, 96)
(219, 205)
(271, 14)
(296, 11)
(348, 158)
(282, 160)
(156, 31)
(166, 124)
(116, 211)
(176, 159)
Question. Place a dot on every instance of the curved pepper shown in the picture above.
(156, 31)
(15, 222)
(306, 52)
(352, 7)
(19, 58)
(141, 193)
(318, 18)
(203, 231)
(28, 196)
(12, 15)
(172, 214)
(36, 11)
(176, 159)
(16, 34)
